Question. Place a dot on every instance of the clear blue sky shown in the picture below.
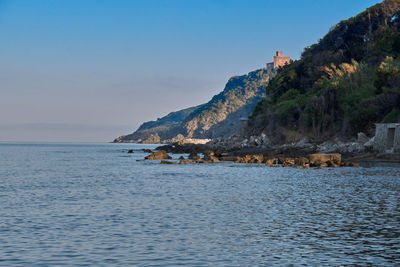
(90, 70)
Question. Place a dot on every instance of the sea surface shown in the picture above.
(95, 204)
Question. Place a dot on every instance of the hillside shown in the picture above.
(161, 129)
(340, 86)
(217, 118)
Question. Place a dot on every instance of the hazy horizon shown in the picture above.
(89, 71)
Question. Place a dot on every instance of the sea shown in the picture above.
(98, 205)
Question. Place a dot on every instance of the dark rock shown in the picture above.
(194, 156)
(210, 157)
(130, 151)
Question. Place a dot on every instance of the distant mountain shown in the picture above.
(340, 86)
(219, 117)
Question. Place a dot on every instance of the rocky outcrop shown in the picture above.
(210, 156)
(316, 160)
(161, 154)
(250, 159)
(219, 117)
(166, 128)
(194, 156)
(325, 160)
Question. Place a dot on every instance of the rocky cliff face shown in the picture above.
(220, 116)
(155, 131)
(217, 118)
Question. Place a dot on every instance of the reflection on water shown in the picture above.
(95, 204)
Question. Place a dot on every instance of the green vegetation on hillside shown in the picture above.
(342, 85)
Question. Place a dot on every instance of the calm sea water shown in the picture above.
(94, 204)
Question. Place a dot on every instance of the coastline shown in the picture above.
(285, 155)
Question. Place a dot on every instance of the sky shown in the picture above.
(92, 70)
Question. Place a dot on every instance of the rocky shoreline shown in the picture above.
(305, 153)
(300, 158)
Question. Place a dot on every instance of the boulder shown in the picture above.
(325, 160)
(302, 162)
(270, 161)
(194, 156)
(250, 159)
(287, 162)
(265, 139)
(210, 157)
(145, 150)
(362, 138)
(158, 155)
(370, 142)
(130, 151)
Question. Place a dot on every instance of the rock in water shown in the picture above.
(321, 159)
(158, 155)
(250, 159)
(194, 156)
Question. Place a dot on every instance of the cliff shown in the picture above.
(217, 118)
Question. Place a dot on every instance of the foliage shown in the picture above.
(343, 84)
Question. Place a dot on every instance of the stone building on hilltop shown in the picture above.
(279, 61)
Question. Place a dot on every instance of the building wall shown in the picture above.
(396, 145)
(381, 137)
(280, 60)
